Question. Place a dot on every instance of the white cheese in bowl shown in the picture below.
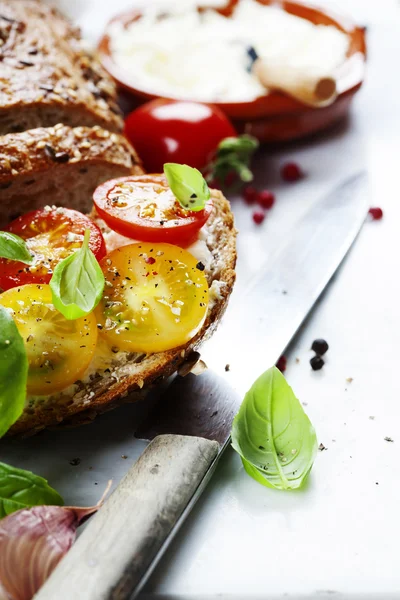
(204, 56)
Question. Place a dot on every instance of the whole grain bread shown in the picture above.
(59, 165)
(129, 376)
(46, 74)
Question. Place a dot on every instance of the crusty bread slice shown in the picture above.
(46, 74)
(128, 376)
(59, 165)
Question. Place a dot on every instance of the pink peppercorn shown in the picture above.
(266, 199)
(258, 217)
(291, 172)
(281, 363)
(230, 179)
(250, 194)
(376, 213)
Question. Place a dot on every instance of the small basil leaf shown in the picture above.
(13, 371)
(14, 248)
(233, 157)
(243, 145)
(188, 186)
(78, 282)
(273, 435)
(22, 489)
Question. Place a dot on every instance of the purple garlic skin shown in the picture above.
(32, 543)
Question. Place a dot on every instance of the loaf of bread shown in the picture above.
(46, 74)
(59, 165)
(114, 379)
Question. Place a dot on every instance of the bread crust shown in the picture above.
(38, 150)
(104, 393)
(46, 74)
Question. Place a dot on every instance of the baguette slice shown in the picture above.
(59, 165)
(46, 75)
(127, 377)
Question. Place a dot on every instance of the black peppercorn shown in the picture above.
(317, 362)
(320, 346)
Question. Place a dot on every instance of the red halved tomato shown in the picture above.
(51, 235)
(144, 208)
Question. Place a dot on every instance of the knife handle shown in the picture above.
(121, 542)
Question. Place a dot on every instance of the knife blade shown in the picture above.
(191, 423)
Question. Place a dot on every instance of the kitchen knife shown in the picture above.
(191, 424)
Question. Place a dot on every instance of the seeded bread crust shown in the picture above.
(46, 74)
(130, 379)
(59, 165)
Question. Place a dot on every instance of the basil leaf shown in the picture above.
(273, 434)
(13, 371)
(78, 282)
(22, 489)
(243, 145)
(188, 185)
(233, 157)
(14, 248)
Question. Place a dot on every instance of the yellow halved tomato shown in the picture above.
(155, 297)
(59, 351)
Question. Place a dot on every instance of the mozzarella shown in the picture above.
(198, 249)
(203, 56)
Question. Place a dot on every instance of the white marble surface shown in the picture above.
(339, 536)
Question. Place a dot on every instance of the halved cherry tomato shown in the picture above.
(144, 208)
(155, 298)
(176, 131)
(51, 234)
(59, 351)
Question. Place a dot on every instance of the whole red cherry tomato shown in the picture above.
(176, 131)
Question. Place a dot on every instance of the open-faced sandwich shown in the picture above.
(96, 302)
(108, 303)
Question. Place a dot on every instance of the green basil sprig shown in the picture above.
(22, 489)
(273, 435)
(13, 372)
(233, 156)
(14, 248)
(78, 282)
(188, 186)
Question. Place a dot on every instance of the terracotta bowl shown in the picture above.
(275, 116)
